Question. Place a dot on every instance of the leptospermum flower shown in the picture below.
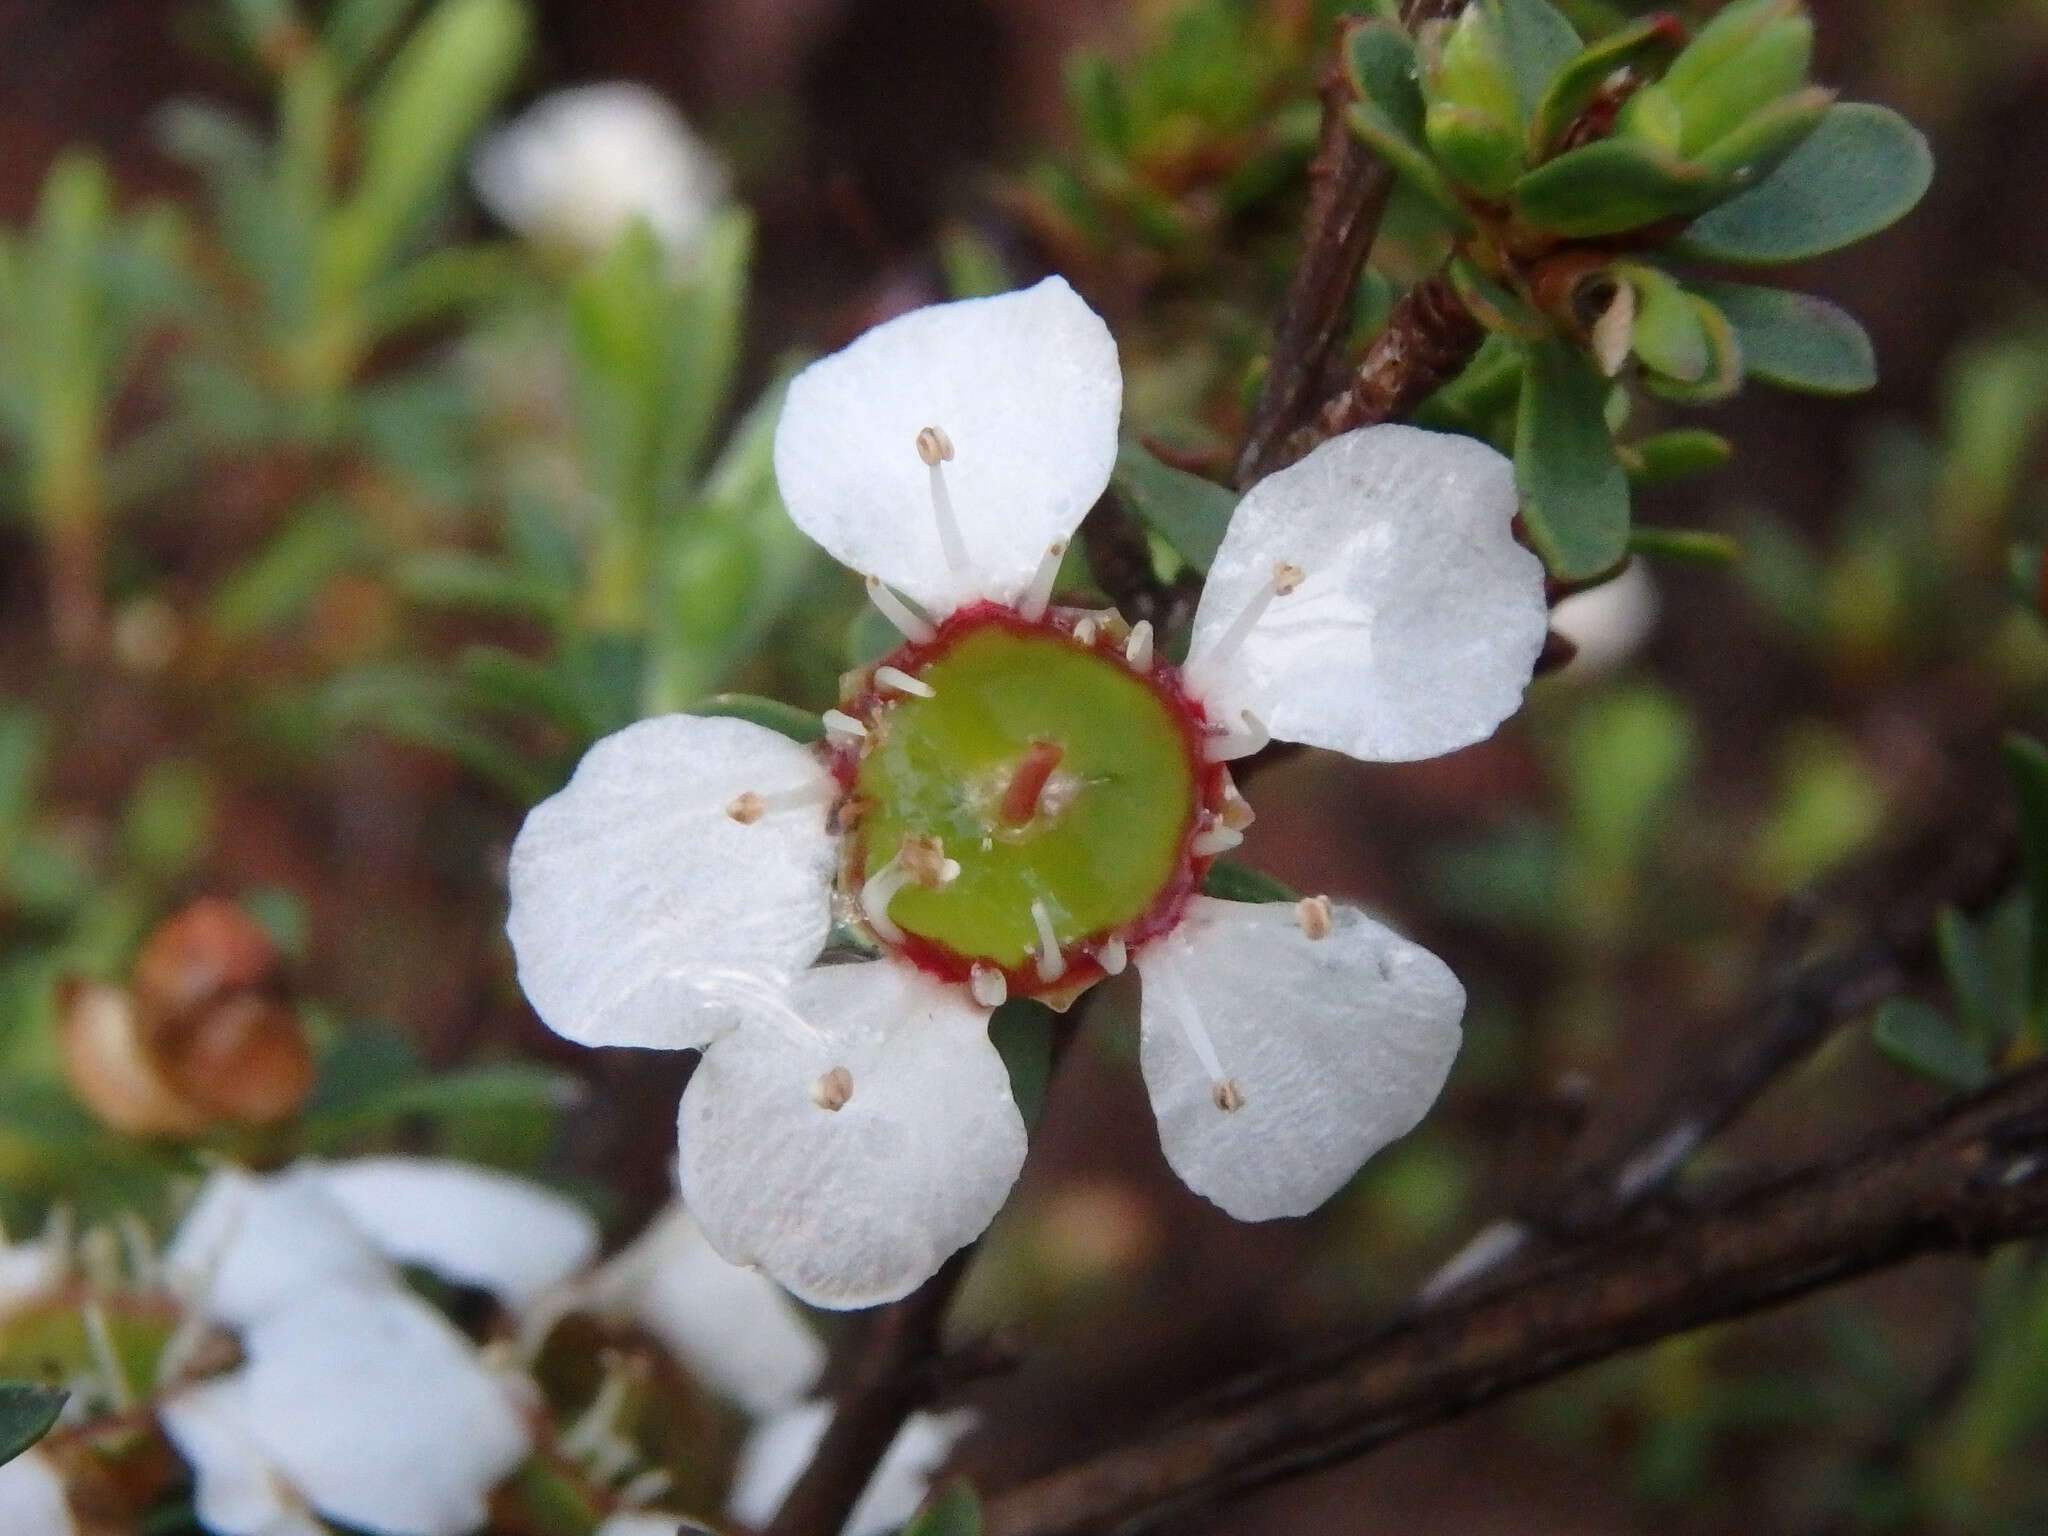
(1020, 800)
(578, 167)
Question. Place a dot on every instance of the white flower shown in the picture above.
(1019, 801)
(34, 1268)
(1608, 623)
(777, 1452)
(359, 1403)
(32, 1500)
(730, 1326)
(578, 167)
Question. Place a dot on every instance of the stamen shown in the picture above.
(1052, 965)
(988, 986)
(903, 682)
(749, 806)
(1215, 840)
(877, 891)
(1227, 1096)
(925, 863)
(1227, 746)
(1033, 603)
(1020, 800)
(1224, 1091)
(1315, 916)
(935, 448)
(914, 629)
(1236, 812)
(1285, 579)
(833, 1089)
(839, 723)
(1113, 956)
(1084, 632)
(1138, 649)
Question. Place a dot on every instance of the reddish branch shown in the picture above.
(1348, 190)
(1972, 1175)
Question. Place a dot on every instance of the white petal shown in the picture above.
(250, 1245)
(577, 167)
(779, 1449)
(858, 1205)
(1419, 619)
(472, 1225)
(732, 1327)
(239, 1492)
(1027, 387)
(29, 1269)
(379, 1412)
(32, 1501)
(1338, 1046)
(637, 900)
(648, 1523)
(1608, 623)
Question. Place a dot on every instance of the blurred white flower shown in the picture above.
(32, 1501)
(779, 1449)
(1608, 623)
(579, 166)
(251, 1244)
(359, 1402)
(33, 1267)
(733, 1328)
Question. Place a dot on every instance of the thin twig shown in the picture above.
(1970, 1176)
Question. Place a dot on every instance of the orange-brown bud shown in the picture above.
(196, 956)
(245, 1059)
(113, 1074)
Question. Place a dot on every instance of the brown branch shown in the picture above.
(1972, 1175)
(1348, 190)
(1428, 340)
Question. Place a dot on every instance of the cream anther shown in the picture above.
(1285, 579)
(935, 448)
(899, 681)
(839, 723)
(1227, 746)
(832, 1090)
(1236, 812)
(1228, 1096)
(1315, 916)
(749, 806)
(1052, 964)
(898, 613)
(1084, 632)
(1219, 839)
(924, 861)
(988, 986)
(1113, 956)
(1033, 603)
(746, 808)
(1138, 649)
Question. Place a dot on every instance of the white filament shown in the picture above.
(898, 613)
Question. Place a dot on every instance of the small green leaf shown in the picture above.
(1675, 455)
(1388, 114)
(281, 580)
(1723, 375)
(1923, 1041)
(1861, 170)
(956, 1512)
(1641, 44)
(1685, 546)
(1794, 340)
(1240, 882)
(1612, 185)
(1538, 42)
(453, 578)
(1574, 493)
(1988, 1016)
(1668, 335)
(1189, 512)
(2027, 761)
(1749, 152)
(1021, 1032)
(783, 719)
(27, 1412)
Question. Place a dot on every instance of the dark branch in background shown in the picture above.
(1348, 190)
(1972, 1175)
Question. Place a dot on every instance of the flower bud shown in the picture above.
(109, 1069)
(245, 1059)
(200, 954)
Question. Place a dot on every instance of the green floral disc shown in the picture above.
(1103, 838)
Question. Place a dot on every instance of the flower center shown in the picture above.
(1027, 798)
